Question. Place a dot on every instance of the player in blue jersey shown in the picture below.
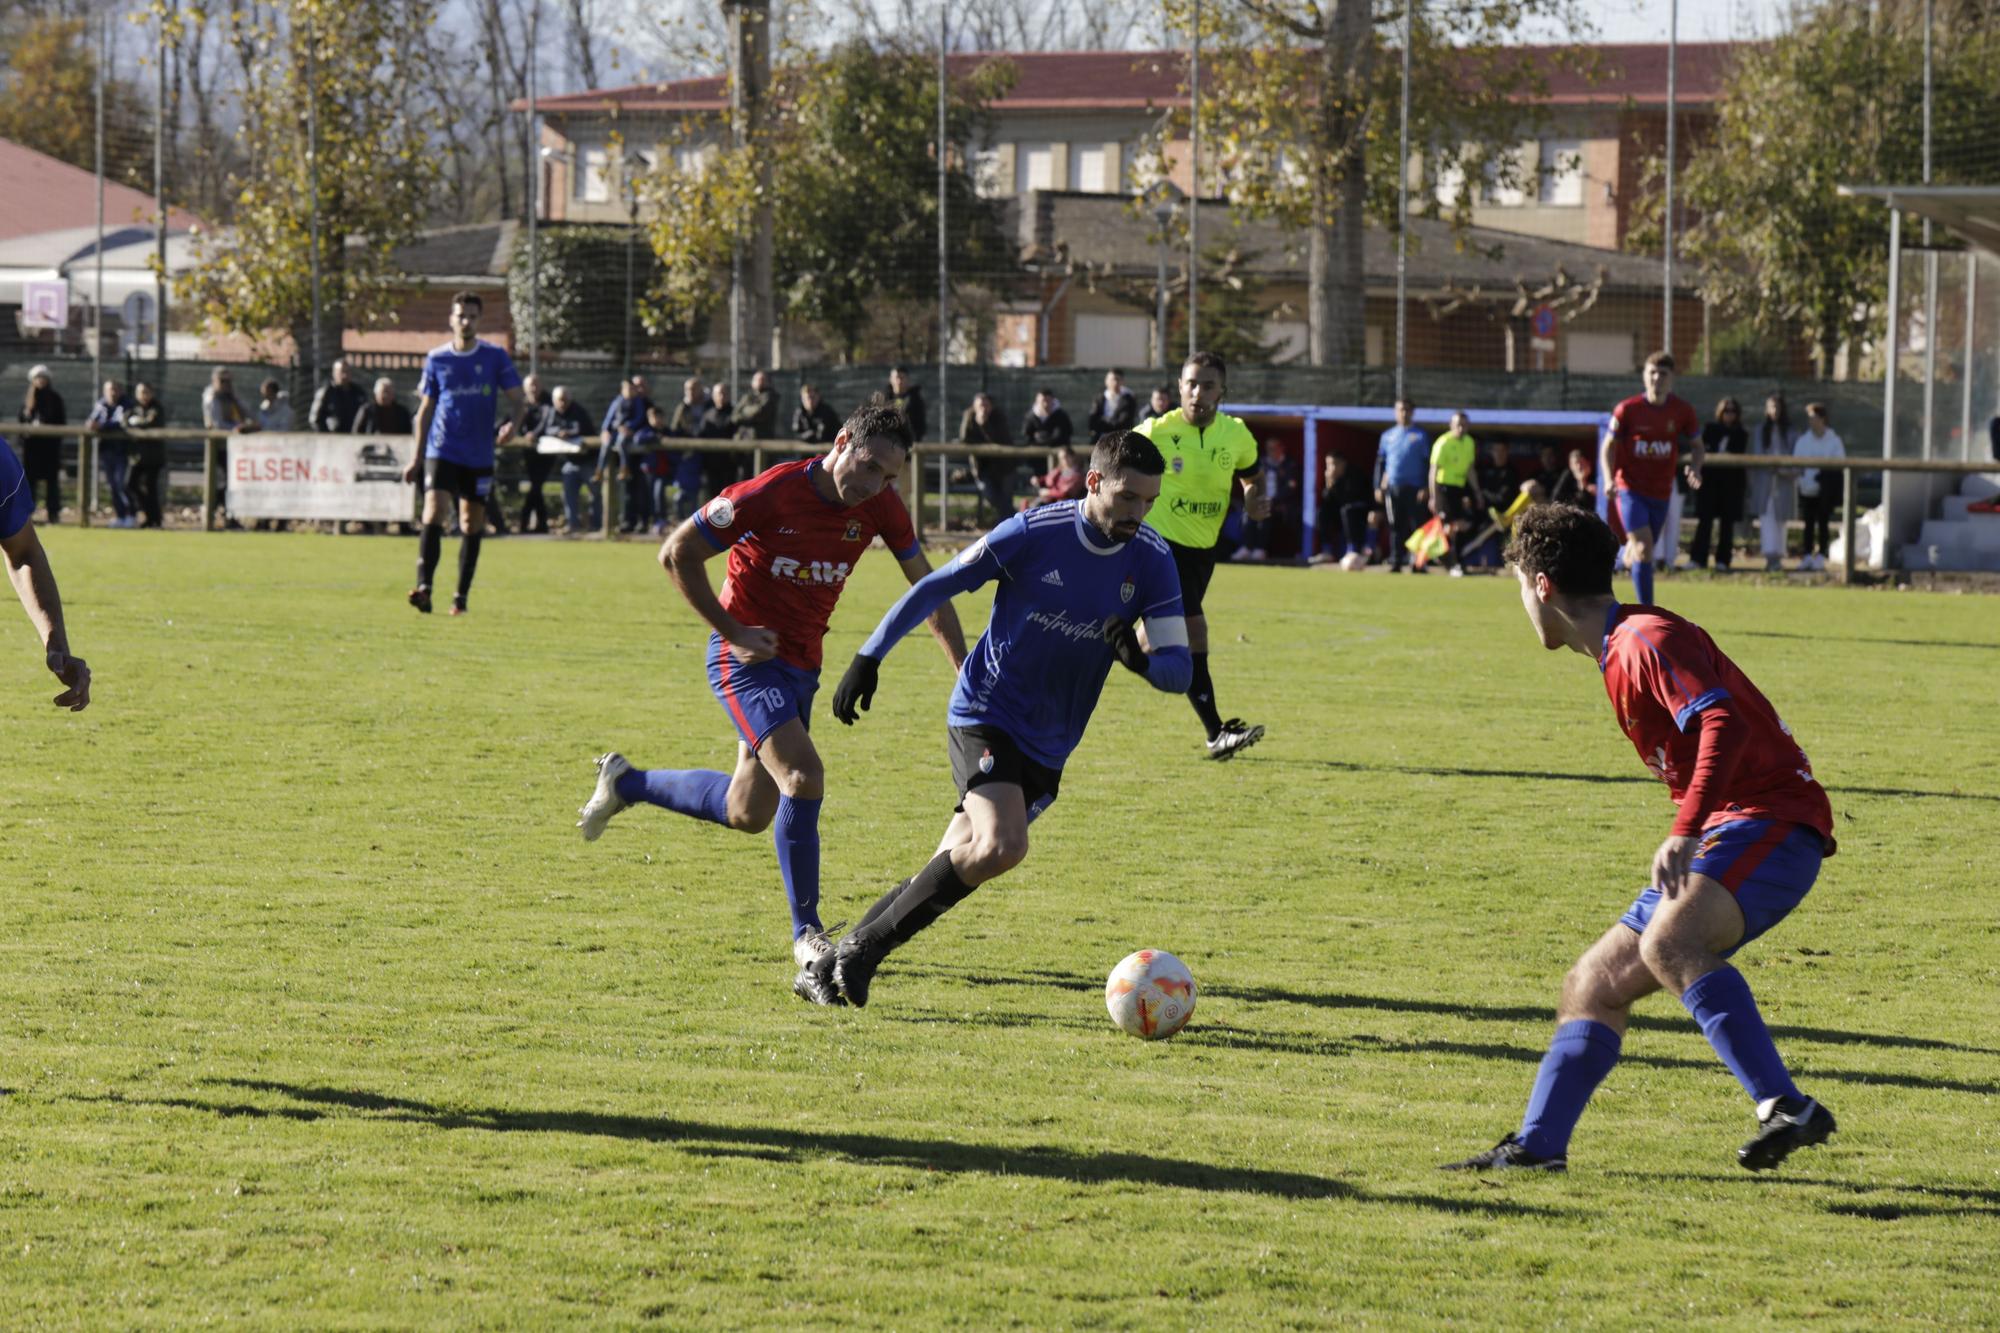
(458, 425)
(28, 567)
(1076, 578)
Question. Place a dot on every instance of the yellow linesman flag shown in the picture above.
(1428, 542)
(1514, 511)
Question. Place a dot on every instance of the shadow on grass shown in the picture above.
(769, 1143)
(1622, 779)
(1885, 1201)
(1856, 638)
(1470, 1010)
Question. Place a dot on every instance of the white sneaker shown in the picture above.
(1458, 571)
(605, 801)
(1235, 735)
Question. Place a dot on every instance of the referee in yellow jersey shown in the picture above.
(1209, 454)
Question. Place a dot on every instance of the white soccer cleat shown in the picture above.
(605, 801)
(814, 953)
(1235, 735)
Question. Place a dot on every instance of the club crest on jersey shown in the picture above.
(1125, 590)
(1178, 464)
(853, 533)
(721, 512)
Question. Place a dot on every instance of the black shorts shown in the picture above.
(1196, 566)
(467, 483)
(983, 755)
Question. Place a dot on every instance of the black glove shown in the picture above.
(1124, 641)
(856, 689)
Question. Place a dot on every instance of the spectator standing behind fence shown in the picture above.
(623, 436)
(41, 456)
(718, 467)
(1772, 489)
(1454, 483)
(222, 410)
(114, 458)
(983, 423)
(814, 422)
(908, 398)
(337, 403)
(757, 413)
(1719, 502)
(567, 421)
(537, 405)
(383, 414)
(274, 408)
(1047, 424)
(1402, 470)
(1161, 403)
(1820, 488)
(1548, 473)
(1115, 409)
(149, 457)
(1577, 487)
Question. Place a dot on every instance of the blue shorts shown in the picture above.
(1642, 511)
(1767, 864)
(759, 698)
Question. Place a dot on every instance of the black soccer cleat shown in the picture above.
(1508, 1155)
(813, 952)
(421, 599)
(458, 606)
(1785, 1123)
(1235, 735)
(854, 964)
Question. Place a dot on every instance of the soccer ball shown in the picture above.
(1150, 994)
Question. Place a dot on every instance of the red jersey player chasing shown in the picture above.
(1639, 453)
(793, 534)
(1745, 847)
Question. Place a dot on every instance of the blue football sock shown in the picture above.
(701, 793)
(1580, 1054)
(796, 834)
(1722, 1004)
(1642, 581)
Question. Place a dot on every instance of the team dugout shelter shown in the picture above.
(1310, 433)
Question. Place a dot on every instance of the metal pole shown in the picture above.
(312, 158)
(534, 194)
(160, 210)
(87, 445)
(1194, 177)
(1930, 265)
(1667, 269)
(1160, 300)
(631, 238)
(1965, 375)
(1889, 335)
(1403, 205)
(944, 260)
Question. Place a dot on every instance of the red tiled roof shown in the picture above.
(46, 194)
(1135, 80)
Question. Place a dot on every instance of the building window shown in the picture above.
(1034, 167)
(1562, 172)
(1090, 169)
(1504, 195)
(593, 175)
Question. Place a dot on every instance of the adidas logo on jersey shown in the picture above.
(1053, 578)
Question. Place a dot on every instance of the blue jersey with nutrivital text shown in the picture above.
(467, 388)
(1037, 670)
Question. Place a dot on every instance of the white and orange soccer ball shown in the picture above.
(1150, 994)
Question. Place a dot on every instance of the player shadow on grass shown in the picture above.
(1968, 1201)
(1857, 638)
(1471, 1010)
(792, 1145)
(1621, 779)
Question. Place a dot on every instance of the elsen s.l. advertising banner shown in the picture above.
(300, 474)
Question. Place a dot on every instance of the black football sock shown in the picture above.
(1201, 693)
(430, 545)
(881, 905)
(922, 899)
(468, 560)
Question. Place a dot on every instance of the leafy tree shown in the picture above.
(1836, 100)
(1300, 108)
(581, 295)
(349, 66)
(851, 142)
(48, 96)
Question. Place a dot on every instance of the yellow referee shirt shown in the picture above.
(1201, 474)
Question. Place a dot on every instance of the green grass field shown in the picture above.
(318, 1013)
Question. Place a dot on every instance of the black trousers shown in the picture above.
(144, 483)
(1720, 507)
(1818, 511)
(42, 461)
(535, 508)
(1405, 516)
(1354, 526)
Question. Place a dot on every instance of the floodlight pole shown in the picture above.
(1403, 205)
(1194, 178)
(87, 447)
(1930, 266)
(534, 194)
(312, 158)
(1667, 263)
(944, 259)
(160, 209)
